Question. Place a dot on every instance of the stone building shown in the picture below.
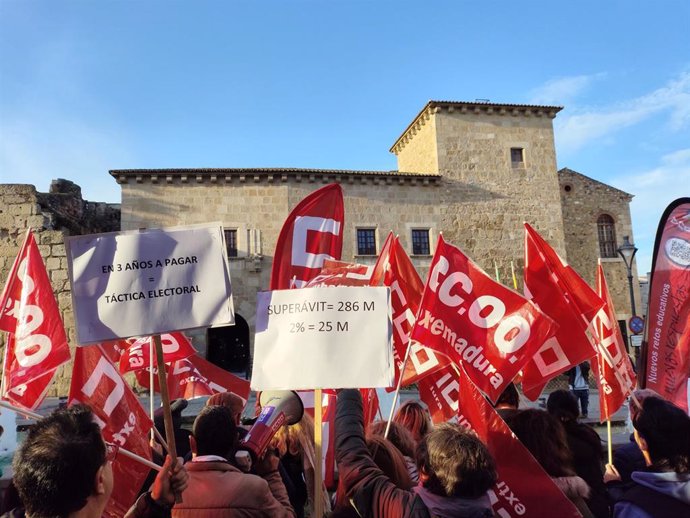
(472, 170)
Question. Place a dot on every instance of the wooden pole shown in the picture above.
(512, 271)
(165, 401)
(397, 389)
(318, 452)
(151, 387)
(610, 440)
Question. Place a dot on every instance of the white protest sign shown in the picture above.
(145, 282)
(334, 337)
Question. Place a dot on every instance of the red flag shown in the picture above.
(312, 233)
(406, 294)
(383, 262)
(613, 389)
(371, 405)
(477, 322)
(561, 293)
(523, 487)
(339, 273)
(97, 383)
(30, 313)
(176, 346)
(667, 347)
(195, 377)
(440, 391)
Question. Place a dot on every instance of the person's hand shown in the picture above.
(169, 482)
(611, 474)
(267, 464)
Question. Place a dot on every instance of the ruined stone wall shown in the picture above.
(583, 200)
(51, 217)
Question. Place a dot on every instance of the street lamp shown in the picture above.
(627, 251)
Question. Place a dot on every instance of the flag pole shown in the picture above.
(498, 277)
(512, 270)
(151, 388)
(318, 452)
(397, 388)
(165, 401)
(126, 453)
(610, 440)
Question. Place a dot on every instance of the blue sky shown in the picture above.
(88, 86)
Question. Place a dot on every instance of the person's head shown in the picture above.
(453, 462)
(398, 435)
(413, 416)
(544, 436)
(61, 467)
(662, 431)
(214, 432)
(640, 395)
(389, 459)
(293, 439)
(562, 404)
(509, 398)
(234, 402)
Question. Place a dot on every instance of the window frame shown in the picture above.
(427, 233)
(606, 236)
(357, 241)
(227, 232)
(517, 164)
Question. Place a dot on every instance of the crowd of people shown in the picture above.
(414, 469)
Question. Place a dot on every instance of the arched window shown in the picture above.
(607, 236)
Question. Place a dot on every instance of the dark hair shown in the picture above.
(55, 467)
(456, 462)
(544, 436)
(413, 416)
(509, 397)
(666, 428)
(562, 404)
(215, 432)
(398, 435)
(389, 459)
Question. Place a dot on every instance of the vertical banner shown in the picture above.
(312, 233)
(666, 352)
(615, 380)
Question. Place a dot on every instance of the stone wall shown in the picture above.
(583, 200)
(51, 216)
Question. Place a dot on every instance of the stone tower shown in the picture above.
(498, 163)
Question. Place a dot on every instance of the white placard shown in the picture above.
(309, 338)
(144, 282)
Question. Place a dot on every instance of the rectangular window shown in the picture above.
(366, 241)
(517, 157)
(231, 242)
(420, 241)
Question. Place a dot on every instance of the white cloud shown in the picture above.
(654, 190)
(562, 90)
(575, 131)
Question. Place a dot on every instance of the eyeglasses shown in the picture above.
(111, 451)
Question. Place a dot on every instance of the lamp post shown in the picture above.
(627, 251)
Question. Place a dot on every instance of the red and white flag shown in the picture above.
(406, 294)
(37, 344)
(96, 382)
(490, 329)
(311, 234)
(195, 377)
(563, 295)
(176, 346)
(613, 389)
(440, 391)
(523, 487)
